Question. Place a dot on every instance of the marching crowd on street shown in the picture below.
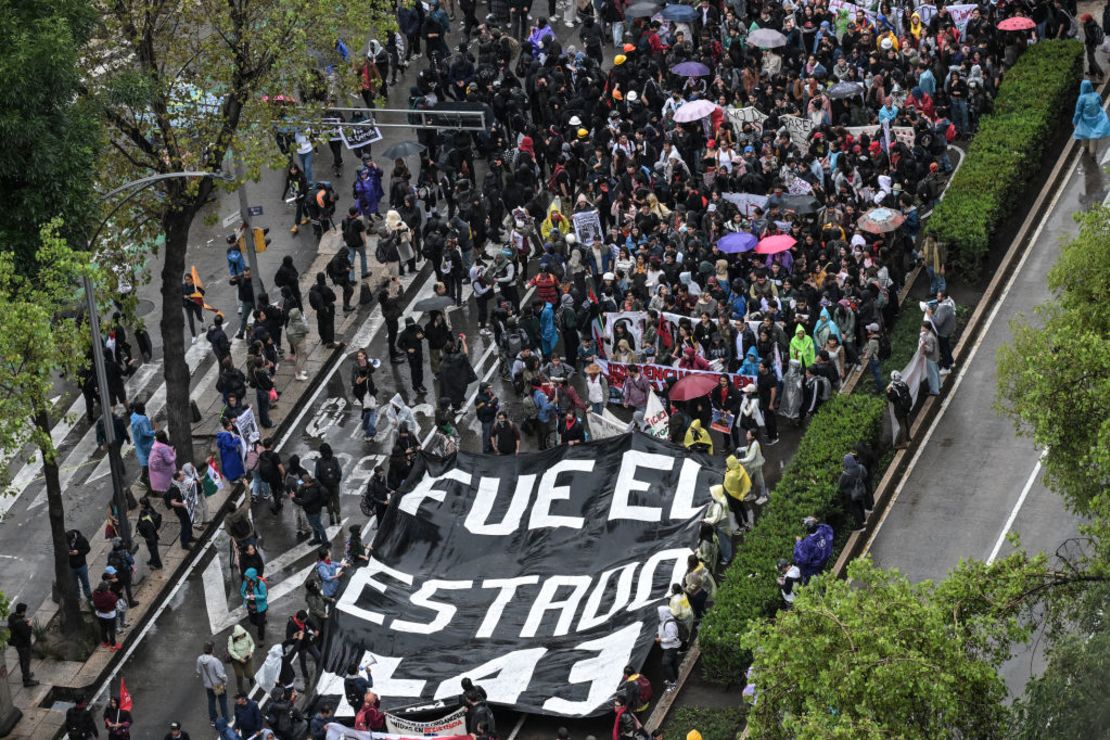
(745, 181)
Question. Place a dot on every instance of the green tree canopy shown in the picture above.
(183, 85)
(1054, 378)
(876, 656)
(51, 137)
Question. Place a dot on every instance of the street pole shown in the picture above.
(115, 464)
(248, 235)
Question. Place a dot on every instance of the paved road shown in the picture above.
(974, 480)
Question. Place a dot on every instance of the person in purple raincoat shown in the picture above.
(368, 189)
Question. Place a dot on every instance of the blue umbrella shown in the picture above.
(737, 242)
(679, 13)
(689, 69)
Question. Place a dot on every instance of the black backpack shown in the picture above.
(350, 235)
(329, 472)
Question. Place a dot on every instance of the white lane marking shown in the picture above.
(308, 406)
(221, 616)
(1014, 512)
(983, 333)
(32, 471)
(157, 401)
(375, 320)
(516, 728)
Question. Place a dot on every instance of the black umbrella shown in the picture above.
(435, 303)
(403, 149)
(803, 205)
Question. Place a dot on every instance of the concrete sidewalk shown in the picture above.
(61, 681)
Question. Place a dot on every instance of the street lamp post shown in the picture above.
(115, 463)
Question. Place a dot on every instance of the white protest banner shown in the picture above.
(655, 417)
(453, 724)
(745, 202)
(656, 375)
(799, 129)
(587, 227)
(960, 15)
(633, 321)
(739, 116)
(247, 426)
(797, 186)
(926, 12)
(605, 425)
(337, 731)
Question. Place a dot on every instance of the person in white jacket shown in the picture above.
(666, 635)
(751, 457)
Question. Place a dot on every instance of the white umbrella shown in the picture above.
(695, 110)
(766, 38)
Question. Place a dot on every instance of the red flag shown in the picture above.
(125, 702)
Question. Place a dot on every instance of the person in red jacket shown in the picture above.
(370, 717)
(691, 360)
(547, 285)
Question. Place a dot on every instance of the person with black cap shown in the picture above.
(20, 635)
(411, 342)
(176, 733)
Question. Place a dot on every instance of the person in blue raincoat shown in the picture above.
(1090, 121)
(368, 189)
(750, 366)
(230, 446)
(825, 328)
(549, 337)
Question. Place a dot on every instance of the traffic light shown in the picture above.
(261, 240)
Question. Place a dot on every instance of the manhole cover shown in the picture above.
(143, 307)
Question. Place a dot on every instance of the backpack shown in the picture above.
(514, 343)
(529, 406)
(569, 320)
(644, 690)
(858, 491)
(329, 472)
(884, 347)
(117, 561)
(349, 234)
(1096, 32)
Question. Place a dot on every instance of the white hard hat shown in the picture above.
(575, 121)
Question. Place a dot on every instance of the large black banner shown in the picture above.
(537, 576)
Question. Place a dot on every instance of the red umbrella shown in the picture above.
(1017, 23)
(693, 386)
(775, 244)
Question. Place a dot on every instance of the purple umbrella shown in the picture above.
(690, 69)
(737, 242)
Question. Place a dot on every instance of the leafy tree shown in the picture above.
(182, 85)
(1069, 698)
(1054, 378)
(877, 656)
(40, 339)
(50, 139)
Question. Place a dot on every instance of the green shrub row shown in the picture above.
(808, 487)
(1004, 154)
(712, 723)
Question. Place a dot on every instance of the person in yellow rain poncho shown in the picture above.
(738, 486)
(698, 439)
(682, 611)
(556, 224)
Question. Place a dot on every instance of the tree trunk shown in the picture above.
(176, 371)
(70, 606)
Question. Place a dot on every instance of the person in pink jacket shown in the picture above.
(162, 463)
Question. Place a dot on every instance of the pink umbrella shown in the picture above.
(695, 110)
(775, 244)
(1017, 23)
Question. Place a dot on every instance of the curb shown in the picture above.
(859, 542)
(138, 629)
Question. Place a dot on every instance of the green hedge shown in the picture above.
(713, 723)
(808, 487)
(1035, 96)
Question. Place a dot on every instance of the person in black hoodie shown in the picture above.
(390, 300)
(288, 277)
(78, 548)
(19, 637)
(411, 343)
(322, 300)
